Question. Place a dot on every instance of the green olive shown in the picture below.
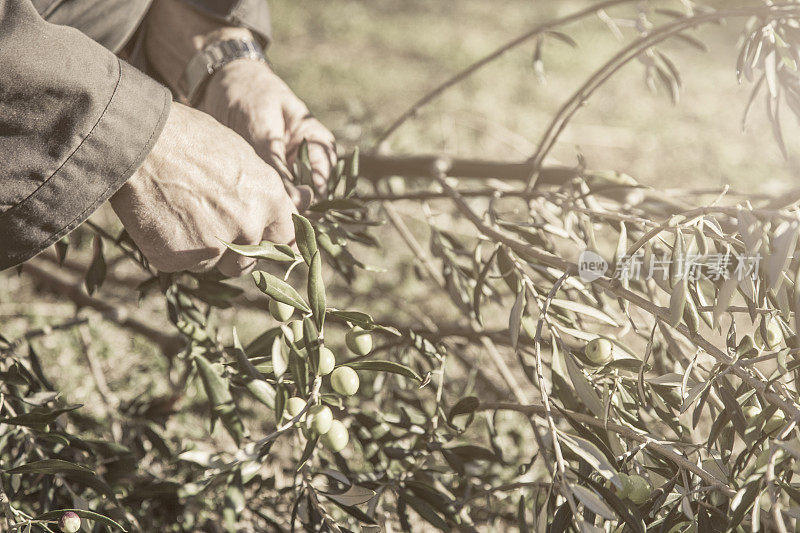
(319, 419)
(280, 311)
(294, 405)
(600, 351)
(326, 361)
(774, 423)
(746, 347)
(359, 341)
(750, 411)
(336, 438)
(344, 380)
(774, 336)
(640, 489)
(296, 327)
(625, 480)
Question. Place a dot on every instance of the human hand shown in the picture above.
(248, 97)
(245, 95)
(200, 185)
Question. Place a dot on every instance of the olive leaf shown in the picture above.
(279, 290)
(305, 237)
(49, 466)
(219, 395)
(96, 273)
(87, 515)
(264, 250)
(386, 366)
(316, 290)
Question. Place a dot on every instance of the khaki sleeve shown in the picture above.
(75, 123)
(251, 14)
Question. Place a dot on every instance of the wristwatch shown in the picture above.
(212, 58)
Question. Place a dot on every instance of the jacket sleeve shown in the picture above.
(75, 123)
(251, 14)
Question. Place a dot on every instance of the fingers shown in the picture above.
(322, 156)
(270, 146)
(321, 149)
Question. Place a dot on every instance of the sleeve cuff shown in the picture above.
(250, 14)
(114, 148)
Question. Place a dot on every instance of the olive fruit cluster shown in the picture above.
(635, 488)
(318, 419)
(70, 522)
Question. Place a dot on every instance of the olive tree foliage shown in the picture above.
(681, 417)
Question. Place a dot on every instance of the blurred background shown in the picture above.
(359, 64)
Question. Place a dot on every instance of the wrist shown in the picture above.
(227, 95)
(176, 33)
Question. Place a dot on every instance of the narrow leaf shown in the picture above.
(265, 250)
(386, 366)
(87, 515)
(279, 290)
(304, 236)
(316, 290)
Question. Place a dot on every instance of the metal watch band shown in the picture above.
(212, 58)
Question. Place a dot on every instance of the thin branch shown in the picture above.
(47, 330)
(474, 67)
(73, 289)
(529, 253)
(624, 431)
(562, 467)
(630, 52)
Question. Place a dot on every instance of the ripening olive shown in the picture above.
(70, 522)
(600, 351)
(359, 341)
(344, 380)
(336, 438)
(280, 311)
(319, 419)
(640, 489)
(326, 361)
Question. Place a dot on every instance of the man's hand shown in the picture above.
(202, 184)
(244, 95)
(248, 97)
